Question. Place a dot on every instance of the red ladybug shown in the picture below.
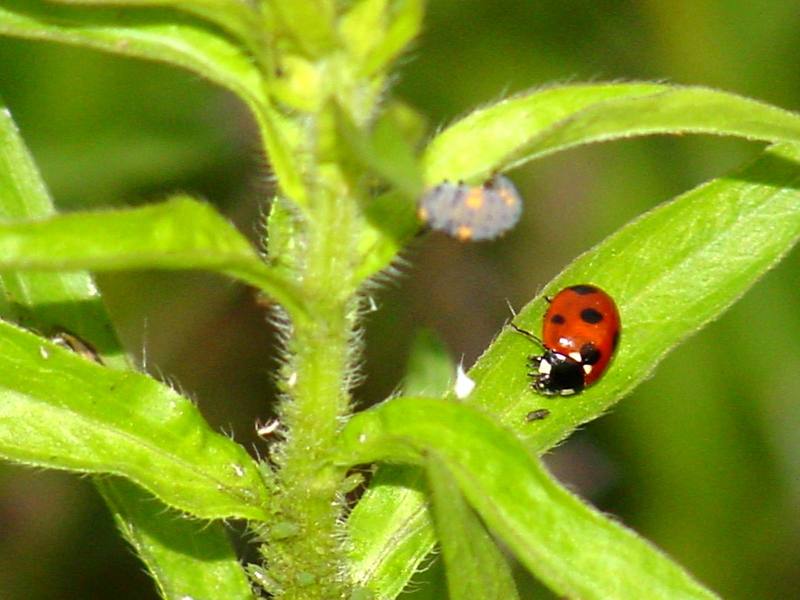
(580, 333)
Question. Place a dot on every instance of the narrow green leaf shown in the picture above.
(186, 558)
(383, 150)
(154, 34)
(409, 123)
(395, 498)
(237, 17)
(283, 141)
(283, 233)
(405, 22)
(310, 23)
(387, 528)
(165, 36)
(178, 234)
(575, 550)
(61, 411)
(180, 553)
(391, 222)
(671, 271)
(529, 126)
(362, 27)
(377, 31)
(51, 304)
(475, 566)
(430, 370)
(392, 217)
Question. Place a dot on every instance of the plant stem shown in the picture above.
(305, 555)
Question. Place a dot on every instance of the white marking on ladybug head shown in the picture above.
(576, 356)
(587, 369)
(545, 367)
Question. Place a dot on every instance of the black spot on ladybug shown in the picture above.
(590, 354)
(590, 315)
(615, 341)
(558, 319)
(584, 290)
(537, 415)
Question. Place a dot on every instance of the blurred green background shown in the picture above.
(703, 459)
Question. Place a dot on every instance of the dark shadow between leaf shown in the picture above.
(771, 169)
(86, 319)
(407, 476)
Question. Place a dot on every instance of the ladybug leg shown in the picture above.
(548, 299)
(533, 365)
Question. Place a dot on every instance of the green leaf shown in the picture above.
(405, 24)
(310, 23)
(533, 125)
(574, 549)
(670, 271)
(178, 234)
(51, 304)
(61, 411)
(283, 234)
(391, 222)
(387, 151)
(383, 150)
(184, 557)
(430, 370)
(363, 26)
(409, 123)
(166, 36)
(395, 498)
(150, 33)
(475, 566)
(234, 16)
(377, 31)
(387, 528)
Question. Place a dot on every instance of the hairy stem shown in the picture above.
(305, 545)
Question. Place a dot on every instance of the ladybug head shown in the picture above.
(558, 374)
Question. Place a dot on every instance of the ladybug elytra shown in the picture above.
(580, 333)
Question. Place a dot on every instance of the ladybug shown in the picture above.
(580, 333)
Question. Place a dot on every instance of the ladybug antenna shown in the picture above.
(524, 332)
(511, 309)
(527, 334)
